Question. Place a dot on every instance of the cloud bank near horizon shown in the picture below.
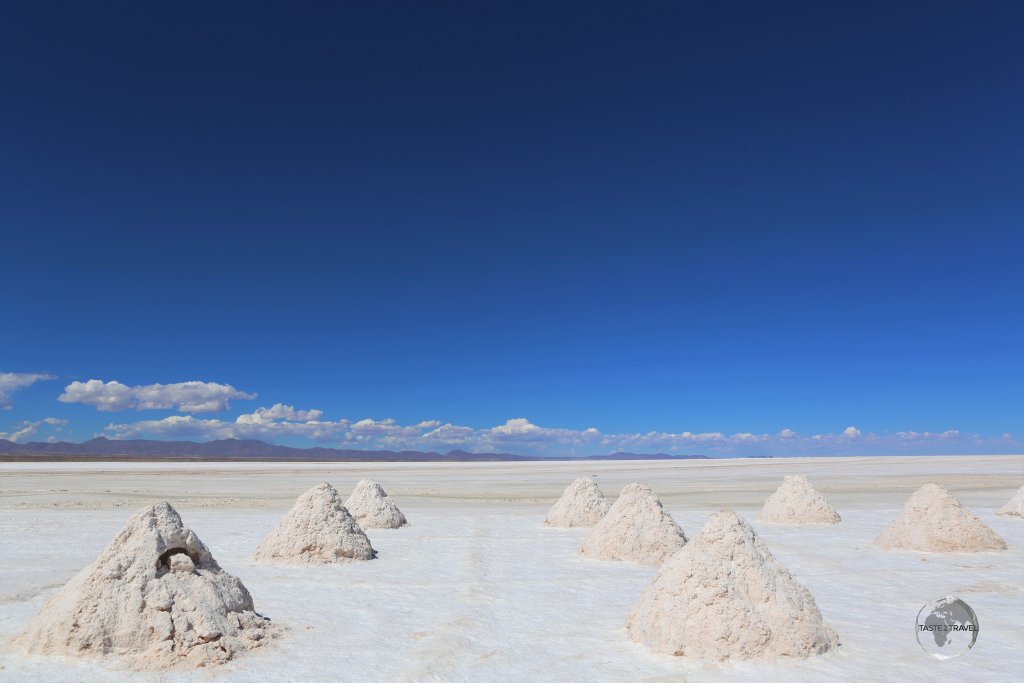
(285, 424)
(519, 435)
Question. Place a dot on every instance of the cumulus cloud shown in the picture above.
(12, 381)
(185, 397)
(279, 411)
(519, 435)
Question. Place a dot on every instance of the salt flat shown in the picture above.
(476, 588)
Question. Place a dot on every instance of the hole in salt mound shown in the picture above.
(164, 562)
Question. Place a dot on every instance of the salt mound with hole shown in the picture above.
(636, 528)
(797, 502)
(155, 596)
(934, 521)
(581, 504)
(317, 530)
(724, 596)
(1015, 506)
(372, 507)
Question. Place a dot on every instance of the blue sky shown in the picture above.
(684, 226)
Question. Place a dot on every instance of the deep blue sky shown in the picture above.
(734, 217)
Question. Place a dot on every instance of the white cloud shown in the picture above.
(518, 426)
(175, 426)
(279, 411)
(747, 437)
(387, 431)
(26, 429)
(25, 433)
(949, 434)
(12, 381)
(256, 425)
(446, 436)
(519, 435)
(185, 397)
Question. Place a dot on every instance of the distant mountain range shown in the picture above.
(252, 449)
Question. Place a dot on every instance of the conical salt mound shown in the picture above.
(317, 530)
(636, 528)
(724, 596)
(1015, 507)
(372, 508)
(797, 502)
(582, 504)
(156, 596)
(934, 521)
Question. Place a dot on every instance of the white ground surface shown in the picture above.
(476, 588)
